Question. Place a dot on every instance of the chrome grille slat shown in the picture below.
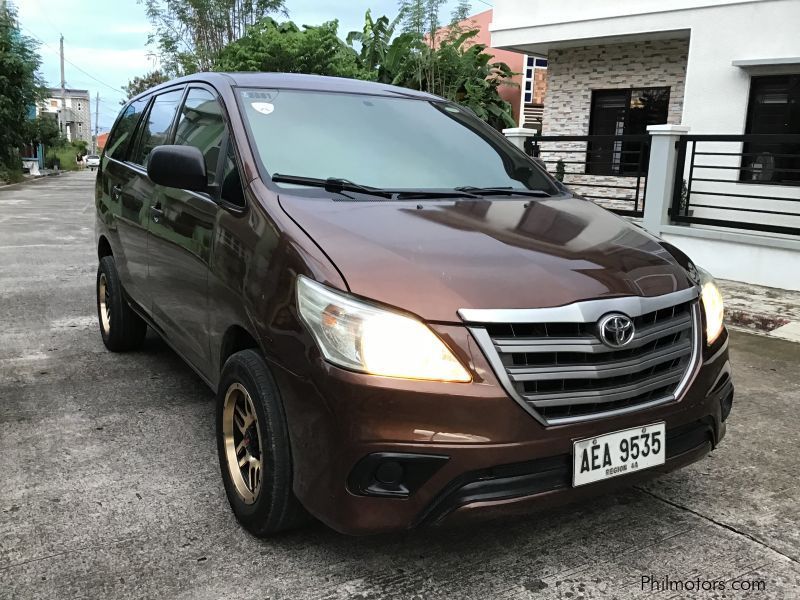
(605, 394)
(590, 344)
(554, 364)
(610, 369)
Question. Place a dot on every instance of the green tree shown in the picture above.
(446, 62)
(190, 34)
(20, 88)
(285, 48)
(137, 85)
(461, 12)
(375, 39)
(44, 130)
(466, 74)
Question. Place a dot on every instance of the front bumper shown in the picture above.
(490, 456)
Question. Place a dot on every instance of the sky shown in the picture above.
(105, 42)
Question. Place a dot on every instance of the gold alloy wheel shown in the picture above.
(242, 440)
(104, 303)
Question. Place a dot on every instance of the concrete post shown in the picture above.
(517, 135)
(661, 175)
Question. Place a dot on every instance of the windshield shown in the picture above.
(382, 142)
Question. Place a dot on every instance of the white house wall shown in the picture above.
(716, 93)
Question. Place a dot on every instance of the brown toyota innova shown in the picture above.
(405, 319)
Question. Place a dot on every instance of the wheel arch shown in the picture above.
(236, 338)
(104, 247)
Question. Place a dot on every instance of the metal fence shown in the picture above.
(720, 181)
(608, 169)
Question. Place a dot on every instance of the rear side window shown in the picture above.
(201, 125)
(157, 125)
(120, 138)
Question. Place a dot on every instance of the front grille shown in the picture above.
(562, 372)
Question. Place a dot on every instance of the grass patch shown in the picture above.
(11, 175)
(65, 156)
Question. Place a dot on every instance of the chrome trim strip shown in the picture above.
(485, 343)
(601, 396)
(696, 361)
(602, 370)
(610, 413)
(591, 345)
(579, 312)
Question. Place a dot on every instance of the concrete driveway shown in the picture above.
(109, 483)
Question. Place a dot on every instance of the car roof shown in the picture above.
(298, 81)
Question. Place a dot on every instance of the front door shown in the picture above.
(181, 224)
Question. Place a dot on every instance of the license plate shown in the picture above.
(618, 453)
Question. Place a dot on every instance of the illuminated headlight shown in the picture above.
(359, 336)
(712, 304)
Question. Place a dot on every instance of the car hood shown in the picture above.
(434, 257)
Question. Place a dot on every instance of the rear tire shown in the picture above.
(121, 328)
(253, 446)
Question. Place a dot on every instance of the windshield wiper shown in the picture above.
(332, 184)
(338, 185)
(502, 191)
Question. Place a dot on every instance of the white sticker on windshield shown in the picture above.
(264, 108)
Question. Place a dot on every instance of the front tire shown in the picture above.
(121, 328)
(253, 446)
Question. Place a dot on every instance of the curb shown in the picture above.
(757, 321)
(30, 180)
(769, 325)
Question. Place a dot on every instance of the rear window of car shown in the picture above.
(120, 137)
(156, 128)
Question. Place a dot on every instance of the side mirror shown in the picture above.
(178, 167)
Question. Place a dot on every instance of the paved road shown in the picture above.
(110, 485)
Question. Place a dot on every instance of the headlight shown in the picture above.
(712, 304)
(363, 337)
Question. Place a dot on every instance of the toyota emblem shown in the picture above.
(616, 330)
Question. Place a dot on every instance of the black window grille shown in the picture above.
(623, 112)
(774, 108)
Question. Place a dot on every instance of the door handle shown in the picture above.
(116, 191)
(156, 213)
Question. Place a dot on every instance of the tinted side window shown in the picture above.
(120, 138)
(202, 125)
(157, 126)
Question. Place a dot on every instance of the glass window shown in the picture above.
(202, 125)
(231, 188)
(120, 137)
(541, 62)
(385, 142)
(623, 112)
(156, 129)
(528, 98)
(530, 61)
(774, 109)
